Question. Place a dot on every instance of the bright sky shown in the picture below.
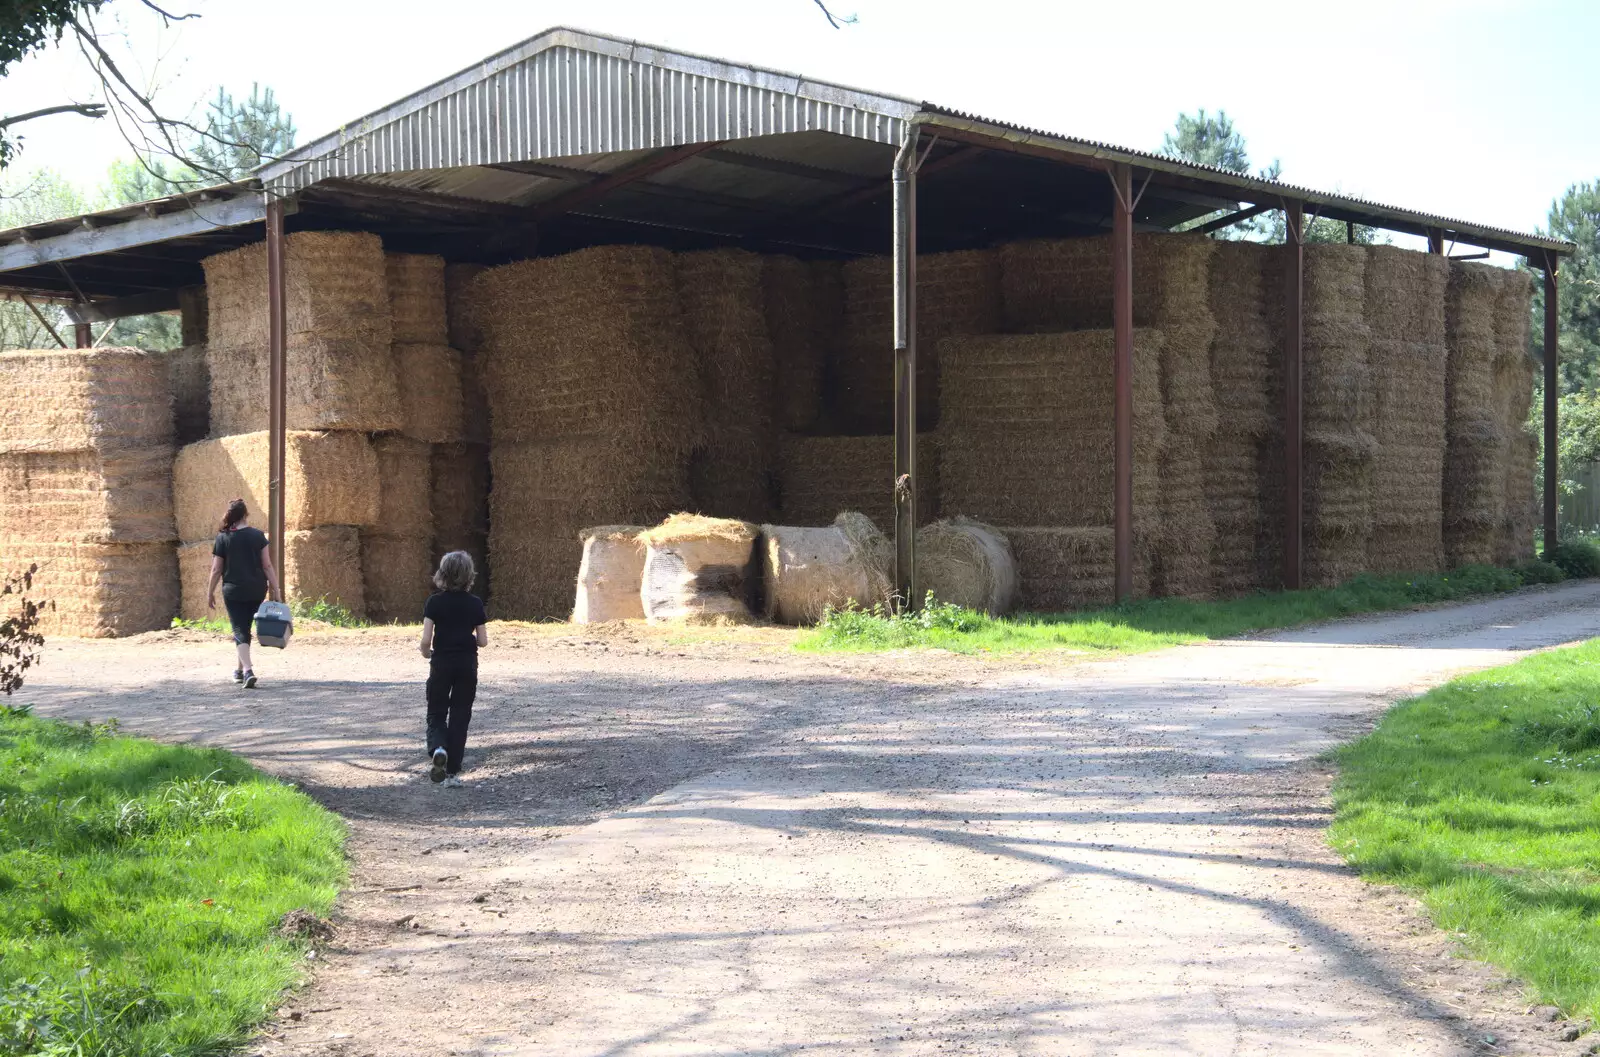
(1476, 109)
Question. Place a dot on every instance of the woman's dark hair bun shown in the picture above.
(237, 512)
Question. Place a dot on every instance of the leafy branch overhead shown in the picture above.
(20, 641)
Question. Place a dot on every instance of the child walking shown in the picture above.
(452, 630)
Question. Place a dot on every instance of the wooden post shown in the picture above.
(1552, 404)
(1122, 375)
(277, 418)
(1293, 406)
(905, 373)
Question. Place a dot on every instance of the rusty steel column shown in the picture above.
(1293, 408)
(277, 418)
(1435, 241)
(82, 336)
(905, 372)
(1122, 376)
(1552, 402)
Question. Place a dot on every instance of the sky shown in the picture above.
(1482, 110)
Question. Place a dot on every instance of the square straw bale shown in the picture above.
(329, 479)
(1065, 284)
(1189, 404)
(99, 590)
(734, 476)
(1513, 316)
(237, 380)
(821, 477)
(1335, 284)
(405, 487)
(325, 563)
(587, 344)
(430, 392)
(194, 576)
(1246, 352)
(417, 299)
(801, 331)
(87, 497)
(463, 330)
(1400, 547)
(460, 496)
(397, 577)
(1522, 512)
(335, 289)
(1234, 494)
(332, 383)
(1337, 377)
(1406, 294)
(105, 400)
(1060, 570)
(190, 378)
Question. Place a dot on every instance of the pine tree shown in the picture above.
(241, 135)
(1575, 217)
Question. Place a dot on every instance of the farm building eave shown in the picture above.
(573, 138)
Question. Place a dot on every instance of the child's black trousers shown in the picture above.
(452, 685)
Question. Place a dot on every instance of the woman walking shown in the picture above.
(452, 630)
(241, 562)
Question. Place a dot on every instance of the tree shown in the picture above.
(1575, 217)
(242, 135)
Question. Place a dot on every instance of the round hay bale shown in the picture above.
(610, 575)
(969, 564)
(698, 569)
(810, 569)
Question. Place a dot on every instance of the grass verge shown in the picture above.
(321, 610)
(1480, 796)
(1153, 623)
(140, 890)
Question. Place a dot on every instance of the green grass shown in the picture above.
(1153, 623)
(140, 887)
(320, 609)
(1481, 797)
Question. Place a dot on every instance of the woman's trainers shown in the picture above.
(249, 680)
(452, 782)
(238, 675)
(439, 760)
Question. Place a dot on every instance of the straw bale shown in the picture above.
(190, 379)
(335, 288)
(88, 497)
(800, 332)
(1065, 284)
(1027, 434)
(1189, 405)
(429, 381)
(194, 575)
(329, 479)
(1335, 283)
(1408, 465)
(417, 299)
(99, 590)
(192, 315)
(105, 400)
(1182, 545)
(610, 575)
(1246, 352)
(332, 383)
(1339, 505)
(460, 495)
(325, 562)
(405, 497)
(545, 493)
(1471, 302)
(396, 576)
(476, 426)
(821, 477)
(957, 293)
(699, 569)
(733, 475)
(1513, 315)
(1522, 514)
(590, 343)
(807, 570)
(967, 563)
(464, 332)
(1234, 500)
(1405, 294)
(1064, 569)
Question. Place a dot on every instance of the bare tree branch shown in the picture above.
(168, 15)
(86, 109)
(836, 21)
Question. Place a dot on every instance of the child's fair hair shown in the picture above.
(456, 572)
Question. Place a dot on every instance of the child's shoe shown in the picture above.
(439, 759)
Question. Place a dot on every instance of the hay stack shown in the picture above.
(957, 293)
(430, 392)
(1476, 439)
(333, 383)
(397, 552)
(397, 577)
(1405, 302)
(319, 563)
(99, 590)
(610, 575)
(416, 298)
(1514, 372)
(335, 285)
(546, 493)
(405, 470)
(1027, 435)
(1065, 284)
(466, 337)
(190, 379)
(801, 328)
(1062, 569)
(821, 477)
(808, 570)
(699, 569)
(460, 498)
(590, 344)
(104, 400)
(329, 478)
(724, 313)
(87, 496)
(967, 563)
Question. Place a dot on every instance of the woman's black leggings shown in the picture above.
(452, 685)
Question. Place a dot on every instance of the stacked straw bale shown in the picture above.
(190, 378)
(1246, 381)
(416, 299)
(1405, 298)
(460, 502)
(466, 337)
(340, 370)
(397, 550)
(722, 294)
(1340, 414)
(802, 308)
(86, 487)
(1514, 372)
(1060, 569)
(1476, 439)
(320, 563)
(430, 392)
(596, 405)
(957, 293)
(822, 477)
(1065, 284)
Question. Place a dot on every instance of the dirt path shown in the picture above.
(725, 847)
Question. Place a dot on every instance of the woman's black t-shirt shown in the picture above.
(456, 615)
(243, 577)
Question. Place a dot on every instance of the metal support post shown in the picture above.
(1552, 401)
(82, 336)
(905, 371)
(1293, 405)
(1436, 240)
(1122, 376)
(277, 419)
